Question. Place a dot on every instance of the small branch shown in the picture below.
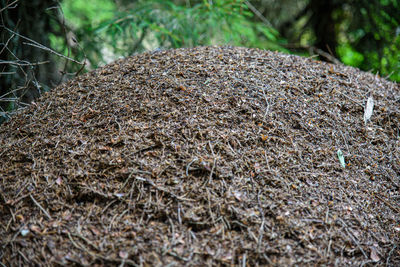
(54, 52)
(9, 5)
(40, 46)
(15, 62)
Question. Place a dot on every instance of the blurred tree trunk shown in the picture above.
(27, 69)
(323, 24)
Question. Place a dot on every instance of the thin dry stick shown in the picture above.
(52, 51)
(351, 99)
(7, 6)
(150, 182)
(261, 229)
(266, 101)
(387, 203)
(95, 255)
(390, 254)
(188, 166)
(40, 46)
(212, 170)
(353, 238)
(87, 241)
(41, 208)
(22, 63)
(6, 44)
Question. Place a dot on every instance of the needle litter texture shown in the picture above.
(207, 156)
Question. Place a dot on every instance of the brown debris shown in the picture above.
(205, 156)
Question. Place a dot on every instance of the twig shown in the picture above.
(266, 101)
(352, 238)
(114, 217)
(15, 235)
(387, 203)
(213, 167)
(87, 241)
(7, 73)
(40, 46)
(188, 166)
(6, 44)
(23, 256)
(9, 62)
(41, 208)
(95, 255)
(7, 6)
(390, 254)
(345, 141)
(318, 51)
(257, 13)
(134, 171)
(349, 98)
(150, 182)
(261, 230)
(54, 52)
(177, 256)
(212, 171)
(209, 206)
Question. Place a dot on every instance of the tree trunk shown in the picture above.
(27, 70)
(323, 23)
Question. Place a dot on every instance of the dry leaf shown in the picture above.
(369, 107)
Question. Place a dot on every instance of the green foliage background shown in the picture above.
(110, 32)
(107, 29)
(369, 37)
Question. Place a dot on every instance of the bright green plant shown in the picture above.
(370, 37)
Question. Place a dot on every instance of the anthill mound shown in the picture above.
(205, 156)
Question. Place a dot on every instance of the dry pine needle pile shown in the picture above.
(206, 156)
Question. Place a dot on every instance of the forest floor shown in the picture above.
(206, 156)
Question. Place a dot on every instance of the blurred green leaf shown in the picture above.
(348, 55)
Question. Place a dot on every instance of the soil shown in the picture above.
(210, 156)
